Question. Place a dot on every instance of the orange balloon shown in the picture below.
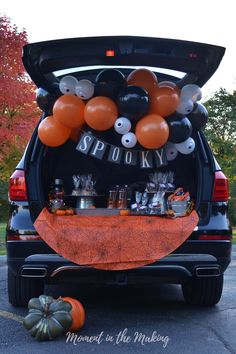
(164, 101)
(100, 113)
(52, 133)
(69, 111)
(75, 134)
(169, 84)
(152, 131)
(144, 78)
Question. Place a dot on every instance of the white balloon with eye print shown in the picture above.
(171, 151)
(122, 125)
(67, 85)
(192, 92)
(129, 140)
(186, 147)
(185, 106)
(84, 89)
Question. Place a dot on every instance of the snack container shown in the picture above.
(179, 206)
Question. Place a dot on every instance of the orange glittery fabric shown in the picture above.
(114, 242)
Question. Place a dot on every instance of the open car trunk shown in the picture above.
(181, 62)
(65, 161)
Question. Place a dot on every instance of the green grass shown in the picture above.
(2, 231)
(2, 239)
(234, 235)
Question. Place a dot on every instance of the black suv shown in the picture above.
(200, 262)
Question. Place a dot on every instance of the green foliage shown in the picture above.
(221, 133)
(10, 161)
(4, 208)
(221, 127)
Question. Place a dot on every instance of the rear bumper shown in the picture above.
(172, 269)
(193, 258)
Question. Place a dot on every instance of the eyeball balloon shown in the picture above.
(129, 140)
(122, 125)
(185, 106)
(186, 147)
(67, 85)
(171, 151)
(84, 89)
(191, 91)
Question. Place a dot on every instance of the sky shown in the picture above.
(206, 21)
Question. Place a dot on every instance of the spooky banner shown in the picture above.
(90, 145)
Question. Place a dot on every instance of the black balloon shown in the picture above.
(109, 82)
(180, 129)
(133, 102)
(45, 100)
(198, 117)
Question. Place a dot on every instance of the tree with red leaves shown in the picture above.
(18, 109)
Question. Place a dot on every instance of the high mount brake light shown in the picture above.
(17, 186)
(110, 53)
(221, 188)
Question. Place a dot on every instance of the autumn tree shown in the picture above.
(221, 133)
(18, 111)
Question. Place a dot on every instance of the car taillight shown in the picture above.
(214, 237)
(17, 186)
(221, 188)
(18, 237)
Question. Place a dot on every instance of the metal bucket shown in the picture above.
(85, 202)
(179, 207)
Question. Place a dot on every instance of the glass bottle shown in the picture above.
(59, 192)
(56, 194)
(122, 198)
(112, 199)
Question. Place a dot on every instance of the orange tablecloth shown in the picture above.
(114, 242)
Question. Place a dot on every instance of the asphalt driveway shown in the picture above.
(146, 319)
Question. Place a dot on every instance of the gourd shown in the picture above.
(49, 318)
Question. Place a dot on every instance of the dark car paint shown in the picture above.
(40, 59)
(198, 60)
(193, 253)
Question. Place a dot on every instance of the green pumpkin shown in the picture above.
(47, 318)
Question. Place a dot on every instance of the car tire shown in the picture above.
(205, 291)
(21, 290)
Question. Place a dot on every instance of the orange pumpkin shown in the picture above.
(69, 211)
(60, 212)
(77, 313)
(124, 212)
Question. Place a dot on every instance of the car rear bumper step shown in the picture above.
(173, 258)
(174, 266)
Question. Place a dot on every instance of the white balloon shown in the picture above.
(122, 125)
(67, 85)
(129, 140)
(186, 147)
(185, 106)
(192, 92)
(84, 89)
(171, 151)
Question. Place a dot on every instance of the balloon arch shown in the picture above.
(139, 108)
